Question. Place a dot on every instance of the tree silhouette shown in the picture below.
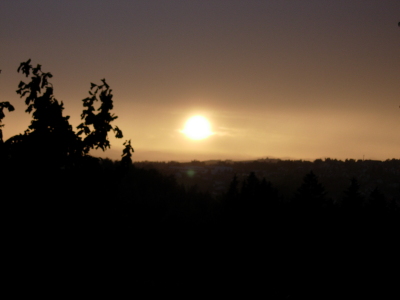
(232, 198)
(377, 200)
(311, 194)
(50, 139)
(53, 184)
(353, 200)
(233, 190)
(251, 188)
(126, 160)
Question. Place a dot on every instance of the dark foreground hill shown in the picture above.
(103, 225)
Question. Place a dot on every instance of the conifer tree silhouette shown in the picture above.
(353, 200)
(251, 188)
(233, 190)
(311, 194)
(377, 200)
(232, 198)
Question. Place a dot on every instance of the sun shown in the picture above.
(197, 128)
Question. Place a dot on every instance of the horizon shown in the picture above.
(189, 159)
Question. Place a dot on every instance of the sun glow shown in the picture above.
(197, 128)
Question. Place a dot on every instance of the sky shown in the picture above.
(285, 79)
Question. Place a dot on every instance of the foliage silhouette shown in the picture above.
(10, 108)
(50, 140)
(97, 137)
(126, 160)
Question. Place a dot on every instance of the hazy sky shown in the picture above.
(287, 78)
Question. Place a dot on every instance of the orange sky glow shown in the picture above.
(284, 79)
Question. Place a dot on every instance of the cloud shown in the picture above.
(227, 131)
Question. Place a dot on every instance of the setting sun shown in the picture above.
(197, 128)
